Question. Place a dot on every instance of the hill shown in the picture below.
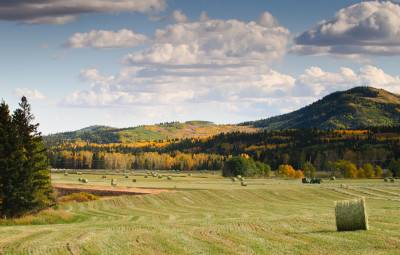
(162, 131)
(352, 109)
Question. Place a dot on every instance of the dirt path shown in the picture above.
(64, 189)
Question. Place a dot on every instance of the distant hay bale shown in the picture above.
(333, 178)
(160, 177)
(392, 179)
(243, 183)
(190, 174)
(85, 180)
(169, 178)
(351, 215)
(79, 173)
(234, 179)
(104, 177)
(133, 180)
(65, 174)
(146, 176)
(126, 176)
(113, 182)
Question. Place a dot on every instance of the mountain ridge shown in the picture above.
(356, 108)
(359, 107)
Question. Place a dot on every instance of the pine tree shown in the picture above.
(28, 177)
(5, 153)
(10, 159)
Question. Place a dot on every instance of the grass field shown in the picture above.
(207, 214)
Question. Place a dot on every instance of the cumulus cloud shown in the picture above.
(61, 11)
(215, 42)
(241, 90)
(317, 82)
(366, 28)
(147, 86)
(100, 39)
(179, 17)
(32, 94)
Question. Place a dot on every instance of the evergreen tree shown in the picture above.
(6, 151)
(27, 185)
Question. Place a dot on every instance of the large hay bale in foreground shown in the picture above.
(351, 215)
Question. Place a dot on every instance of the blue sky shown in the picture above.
(227, 61)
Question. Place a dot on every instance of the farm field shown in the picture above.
(208, 214)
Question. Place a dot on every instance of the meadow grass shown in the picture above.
(208, 214)
(351, 215)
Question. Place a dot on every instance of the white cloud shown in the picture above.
(214, 42)
(366, 28)
(234, 89)
(317, 82)
(61, 11)
(179, 17)
(99, 39)
(32, 94)
(203, 16)
(267, 20)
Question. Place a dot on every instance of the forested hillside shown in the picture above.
(162, 131)
(356, 108)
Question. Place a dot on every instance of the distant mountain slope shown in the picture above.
(172, 130)
(355, 108)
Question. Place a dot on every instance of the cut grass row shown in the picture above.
(276, 217)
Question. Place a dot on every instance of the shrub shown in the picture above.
(351, 215)
(78, 197)
(245, 166)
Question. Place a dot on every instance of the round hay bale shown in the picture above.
(351, 215)
(333, 178)
(243, 183)
(169, 178)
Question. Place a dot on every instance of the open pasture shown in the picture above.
(207, 214)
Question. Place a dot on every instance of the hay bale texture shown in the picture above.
(351, 215)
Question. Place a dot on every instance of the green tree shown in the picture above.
(28, 176)
(394, 167)
(309, 170)
(7, 148)
(369, 170)
(378, 171)
(240, 166)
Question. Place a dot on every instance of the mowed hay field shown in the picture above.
(207, 214)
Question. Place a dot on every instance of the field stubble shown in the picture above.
(210, 215)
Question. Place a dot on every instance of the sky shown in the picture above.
(132, 62)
